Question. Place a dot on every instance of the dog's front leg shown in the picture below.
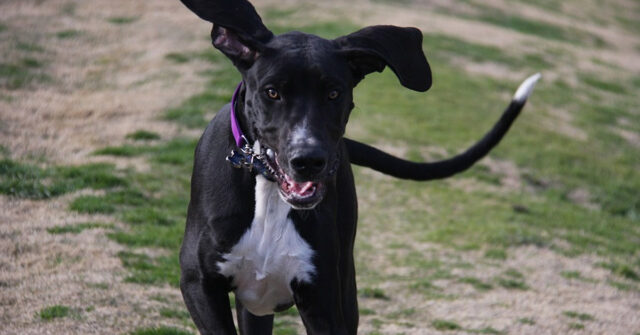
(208, 303)
(319, 300)
(320, 308)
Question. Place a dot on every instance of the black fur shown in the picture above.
(296, 98)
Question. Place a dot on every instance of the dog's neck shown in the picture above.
(239, 125)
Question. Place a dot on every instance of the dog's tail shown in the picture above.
(365, 155)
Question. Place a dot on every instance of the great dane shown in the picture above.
(273, 207)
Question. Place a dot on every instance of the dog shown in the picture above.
(273, 208)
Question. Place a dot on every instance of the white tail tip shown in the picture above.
(525, 89)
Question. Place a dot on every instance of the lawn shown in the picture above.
(564, 182)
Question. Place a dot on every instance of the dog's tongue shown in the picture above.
(297, 188)
(301, 188)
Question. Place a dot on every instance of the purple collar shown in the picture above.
(235, 126)
(246, 157)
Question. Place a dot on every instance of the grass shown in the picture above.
(457, 111)
(445, 325)
(181, 314)
(513, 280)
(29, 47)
(596, 82)
(498, 254)
(68, 34)
(538, 28)
(284, 327)
(177, 57)
(623, 270)
(25, 180)
(78, 227)
(489, 218)
(22, 74)
(147, 270)
(121, 151)
(576, 326)
(486, 330)
(143, 135)
(527, 321)
(373, 293)
(120, 20)
(92, 205)
(577, 315)
(476, 283)
(445, 47)
(54, 312)
(163, 330)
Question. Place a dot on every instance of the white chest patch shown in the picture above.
(269, 255)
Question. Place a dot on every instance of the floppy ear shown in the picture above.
(372, 48)
(237, 30)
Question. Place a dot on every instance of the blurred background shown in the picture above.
(102, 102)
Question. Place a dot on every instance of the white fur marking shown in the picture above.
(525, 89)
(269, 255)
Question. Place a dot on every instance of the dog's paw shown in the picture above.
(526, 88)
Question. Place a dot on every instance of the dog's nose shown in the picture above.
(308, 164)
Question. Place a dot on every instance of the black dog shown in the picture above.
(275, 222)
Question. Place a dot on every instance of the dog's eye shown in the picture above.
(272, 93)
(333, 95)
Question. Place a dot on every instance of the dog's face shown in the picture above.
(298, 88)
(297, 102)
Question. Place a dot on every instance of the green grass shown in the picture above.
(67, 34)
(143, 135)
(162, 330)
(191, 112)
(54, 312)
(622, 286)
(596, 82)
(403, 313)
(528, 26)
(293, 311)
(444, 47)
(31, 181)
(77, 228)
(498, 254)
(22, 74)
(181, 314)
(151, 270)
(445, 325)
(476, 283)
(486, 330)
(513, 280)
(623, 270)
(373, 293)
(120, 20)
(177, 57)
(91, 205)
(527, 321)
(121, 151)
(577, 315)
(284, 327)
(576, 326)
(30, 47)
(426, 287)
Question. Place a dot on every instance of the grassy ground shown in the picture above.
(531, 240)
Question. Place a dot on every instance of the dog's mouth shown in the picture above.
(300, 195)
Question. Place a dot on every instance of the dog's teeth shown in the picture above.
(270, 153)
(305, 187)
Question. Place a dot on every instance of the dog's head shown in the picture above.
(298, 88)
